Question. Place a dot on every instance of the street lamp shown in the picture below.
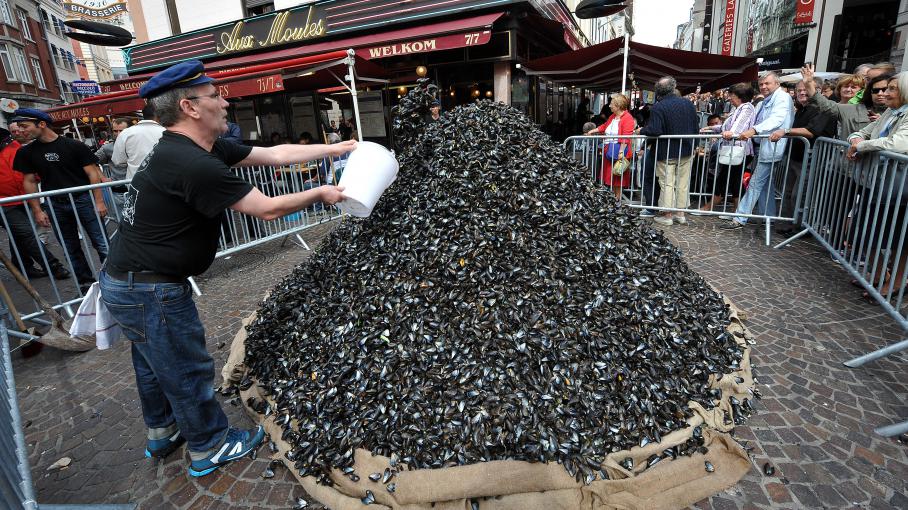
(599, 8)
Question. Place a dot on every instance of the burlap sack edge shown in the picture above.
(672, 483)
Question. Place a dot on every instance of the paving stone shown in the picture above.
(806, 496)
(778, 492)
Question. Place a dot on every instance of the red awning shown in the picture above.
(599, 67)
(313, 72)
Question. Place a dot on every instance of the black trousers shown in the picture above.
(23, 236)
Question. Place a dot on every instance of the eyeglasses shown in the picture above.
(878, 90)
(214, 95)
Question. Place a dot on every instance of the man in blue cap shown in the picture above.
(61, 163)
(170, 231)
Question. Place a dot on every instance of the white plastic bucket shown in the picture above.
(370, 169)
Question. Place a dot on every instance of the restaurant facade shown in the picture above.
(268, 66)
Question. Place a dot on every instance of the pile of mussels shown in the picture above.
(496, 305)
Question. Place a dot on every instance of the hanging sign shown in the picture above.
(728, 34)
(804, 12)
(86, 87)
(98, 9)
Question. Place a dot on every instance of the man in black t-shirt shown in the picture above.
(63, 163)
(170, 230)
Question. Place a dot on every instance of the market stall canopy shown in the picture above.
(599, 67)
(306, 73)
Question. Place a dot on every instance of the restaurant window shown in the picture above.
(23, 24)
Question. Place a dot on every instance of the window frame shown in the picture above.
(6, 61)
(6, 15)
(26, 30)
(22, 62)
(39, 72)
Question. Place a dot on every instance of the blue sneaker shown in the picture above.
(646, 213)
(238, 444)
(160, 448)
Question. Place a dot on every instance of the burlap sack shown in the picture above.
(513, 485)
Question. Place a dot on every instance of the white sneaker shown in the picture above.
(680, 219)
(725, 217)
(663, 220)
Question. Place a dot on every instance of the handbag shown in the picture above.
(613, 149)
(619, 166)
(731, 155)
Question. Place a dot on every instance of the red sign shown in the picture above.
(241, 86)
(804, 12)
(444, 42)
(728, 34)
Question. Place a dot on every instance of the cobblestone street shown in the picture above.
(814, 423)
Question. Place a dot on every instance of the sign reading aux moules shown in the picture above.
(285, 27)
(296, 25)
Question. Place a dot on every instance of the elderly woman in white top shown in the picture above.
(883, 189)
(728, 176)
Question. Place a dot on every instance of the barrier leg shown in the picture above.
(768, 231)
(792, 239)
(877, 354)
(301, 243)
(195, 288)
(893, 430)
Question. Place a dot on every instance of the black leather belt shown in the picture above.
(119, 189)
(142, 276)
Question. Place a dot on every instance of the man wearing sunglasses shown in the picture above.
(170, 230)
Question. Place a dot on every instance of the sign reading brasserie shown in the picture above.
(102, 9)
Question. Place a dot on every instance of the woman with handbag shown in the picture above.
(615, 161)
(733, 153)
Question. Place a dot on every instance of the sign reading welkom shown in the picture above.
(443, 42)
(102, 9)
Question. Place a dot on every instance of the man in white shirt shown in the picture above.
(775, 112)
(137, 141)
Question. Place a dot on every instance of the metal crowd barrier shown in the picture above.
(713, 189)
(16, 488)
(34, 248)
(856, 210)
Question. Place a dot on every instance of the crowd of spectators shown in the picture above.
(866, 109)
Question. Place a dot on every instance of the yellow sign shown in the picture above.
(245, 36)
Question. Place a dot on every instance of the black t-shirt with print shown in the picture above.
(172, 216)
(60, 164)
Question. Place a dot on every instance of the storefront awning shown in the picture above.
(314, 71)
(599, 67)
(472, 31)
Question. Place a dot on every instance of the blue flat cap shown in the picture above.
(185, 74)
(32, 115)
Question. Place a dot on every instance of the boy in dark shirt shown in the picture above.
(63, 163)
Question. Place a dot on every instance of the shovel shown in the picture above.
(58, 334)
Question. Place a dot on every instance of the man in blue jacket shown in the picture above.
(775, 112)
(672, 115)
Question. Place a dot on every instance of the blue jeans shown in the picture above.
(760, 194)
(66, 227)
(174, 372)
(651, 191)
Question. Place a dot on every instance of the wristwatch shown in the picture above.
(787, 130)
